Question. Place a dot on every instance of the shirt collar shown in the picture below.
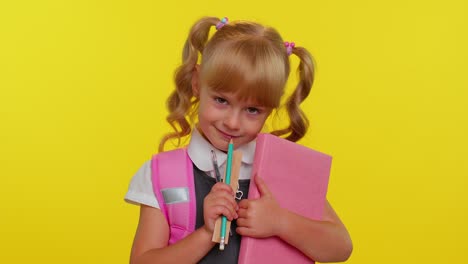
(199, 151)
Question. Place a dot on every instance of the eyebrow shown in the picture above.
(230, 95)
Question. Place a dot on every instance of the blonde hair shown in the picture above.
(247, 59)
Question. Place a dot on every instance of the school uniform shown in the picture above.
(140, 190)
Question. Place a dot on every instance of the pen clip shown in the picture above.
(214, 160)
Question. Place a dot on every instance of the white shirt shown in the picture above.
(140, 190)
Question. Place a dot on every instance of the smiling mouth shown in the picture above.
(227, 135)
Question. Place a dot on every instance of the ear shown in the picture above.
(196, 81)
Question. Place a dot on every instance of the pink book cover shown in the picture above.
(298, 178)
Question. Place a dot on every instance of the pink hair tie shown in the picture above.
(221, 23)
(289, 47)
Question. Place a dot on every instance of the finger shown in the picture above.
(244, 231)
(219, 210)
(222, 186)
(244, 204)
(242, 222)
(224, 202)
(228, 197)
(261, 185)
(221, 194)
(242, 213)
(215, 210)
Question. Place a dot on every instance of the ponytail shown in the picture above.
(298, 120)
(181, 101)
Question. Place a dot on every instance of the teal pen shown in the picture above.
(227, 180)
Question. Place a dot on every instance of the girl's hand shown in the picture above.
(259, 218)
(220, 201)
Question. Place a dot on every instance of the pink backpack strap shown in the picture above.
(174, 187)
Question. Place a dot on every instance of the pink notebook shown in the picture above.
(298, 178)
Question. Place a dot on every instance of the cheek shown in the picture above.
(202, 118)
(255, 126)
(206, 114)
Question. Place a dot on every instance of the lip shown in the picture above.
(226, 135)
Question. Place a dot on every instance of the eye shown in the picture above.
(220, 100)
(253, 110)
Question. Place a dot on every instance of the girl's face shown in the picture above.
(222, 116)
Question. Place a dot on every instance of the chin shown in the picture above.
(222, 147)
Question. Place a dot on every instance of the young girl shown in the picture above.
(238, 83)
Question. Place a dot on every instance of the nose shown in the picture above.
(232, 120)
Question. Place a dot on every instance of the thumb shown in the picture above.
(262, 187)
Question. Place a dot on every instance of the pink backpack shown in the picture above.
(174, 187)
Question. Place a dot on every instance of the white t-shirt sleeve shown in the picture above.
(140, 190)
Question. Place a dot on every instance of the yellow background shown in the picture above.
(82, 92)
